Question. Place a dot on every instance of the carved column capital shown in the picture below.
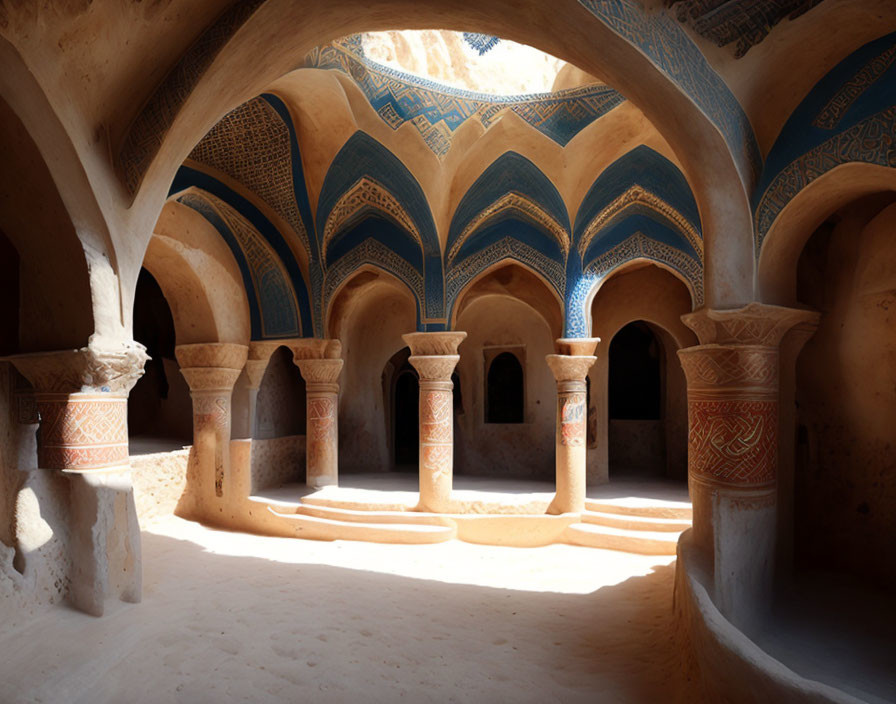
(320, 371)
(733, 378)
(754, 324)
(313, 348)
(211, 367)
(92, 369)
(576, 346)
(434, 343)
(434, 368)
(570, 367)
(81, 398)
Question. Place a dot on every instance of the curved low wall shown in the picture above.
(732, 667)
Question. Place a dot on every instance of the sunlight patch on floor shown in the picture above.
(563, 569)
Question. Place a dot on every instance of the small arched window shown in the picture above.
(504, 397)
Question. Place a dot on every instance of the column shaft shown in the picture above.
(322, 420)
(435, 358)
(211, 370)
(733, 392)
(571, 430)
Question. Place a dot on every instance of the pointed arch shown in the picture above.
(511, 194)
(519, 280)
(272, 300)
(849, 117)
(199, 276)
(639, 208)
(249, 218)
(368, 198)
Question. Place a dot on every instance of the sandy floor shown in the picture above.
(234, 617)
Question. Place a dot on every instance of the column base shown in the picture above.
(105, 540)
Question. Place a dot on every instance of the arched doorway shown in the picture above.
(280, 407)
(405, 412)
(505, 395)
(160, 415)
(636, 434)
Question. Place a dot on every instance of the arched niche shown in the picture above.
(514, 280)
(368, 314)
(280, 407)
(160, 411)
(785, 241)
(511, 310)
(55, 305)
(657, 298)
(840, 478)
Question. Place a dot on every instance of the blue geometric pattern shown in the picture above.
(849, 116)
(436, 111)
(746, 22)
(272, 303)
(188, 177)
(666, 44)
(363, 158)
(640, 207)
(481, 43)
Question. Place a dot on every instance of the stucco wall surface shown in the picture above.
(159, 482)
(845, 484)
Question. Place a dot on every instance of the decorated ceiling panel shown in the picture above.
(743, 23)
(663, 40)
(254, 146)
(272, 301)
(369, 194)
(848, 117)
(241, 223)
(436, 111)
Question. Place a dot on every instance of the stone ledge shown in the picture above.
(732, 667)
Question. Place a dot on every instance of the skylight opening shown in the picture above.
(476, 62)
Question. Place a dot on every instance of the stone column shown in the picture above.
(434, 356)
(733, 396)
(570, 368)
(256, 366)
(211, 370)
(322, 419)
(81, 398)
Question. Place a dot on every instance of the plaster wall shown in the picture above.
(276, 461)
(280, 408)
(159, 482)
(34, 552)
(369, 316)
(845, 483)
(525, 449)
